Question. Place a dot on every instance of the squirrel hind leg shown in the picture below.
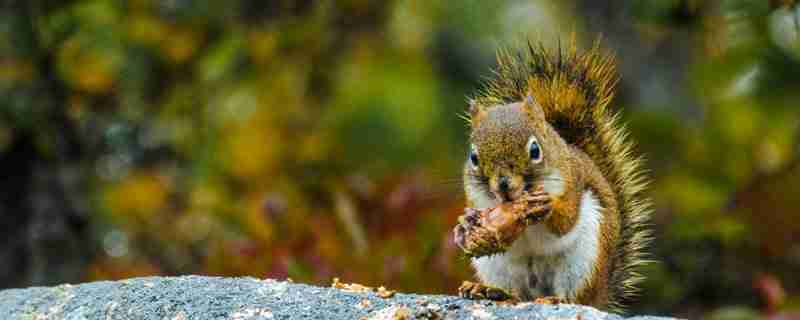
(550, 300)
(479, 291)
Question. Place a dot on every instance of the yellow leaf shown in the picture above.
(141, 195)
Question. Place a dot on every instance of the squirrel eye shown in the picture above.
(534, 150)
(473, 155)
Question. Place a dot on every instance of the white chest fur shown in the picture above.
(541, 263)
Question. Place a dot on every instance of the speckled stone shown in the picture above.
(196, 297)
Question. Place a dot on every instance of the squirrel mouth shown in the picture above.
(506, 195)
(513, 192)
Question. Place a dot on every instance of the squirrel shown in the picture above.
(541, 133)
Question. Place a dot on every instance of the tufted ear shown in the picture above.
(474, 108)
(529, 104)
(529, 100)
(532, 107)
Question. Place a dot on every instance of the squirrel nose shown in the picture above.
(502, 184)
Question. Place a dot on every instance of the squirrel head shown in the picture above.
(512, 148)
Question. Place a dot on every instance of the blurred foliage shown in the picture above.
(313, 139)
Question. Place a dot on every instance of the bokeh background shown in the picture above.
(320, 139)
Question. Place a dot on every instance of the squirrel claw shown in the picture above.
(536, 206)
(470, 217)
(537, 197)
(537, 214)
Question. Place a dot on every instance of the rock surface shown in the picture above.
(196, 297)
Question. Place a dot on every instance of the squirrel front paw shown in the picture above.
(534, 207)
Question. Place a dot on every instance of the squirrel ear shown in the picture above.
(529, 102)
(532, 107)
(474, 108)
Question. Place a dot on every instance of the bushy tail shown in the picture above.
(574, 90)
